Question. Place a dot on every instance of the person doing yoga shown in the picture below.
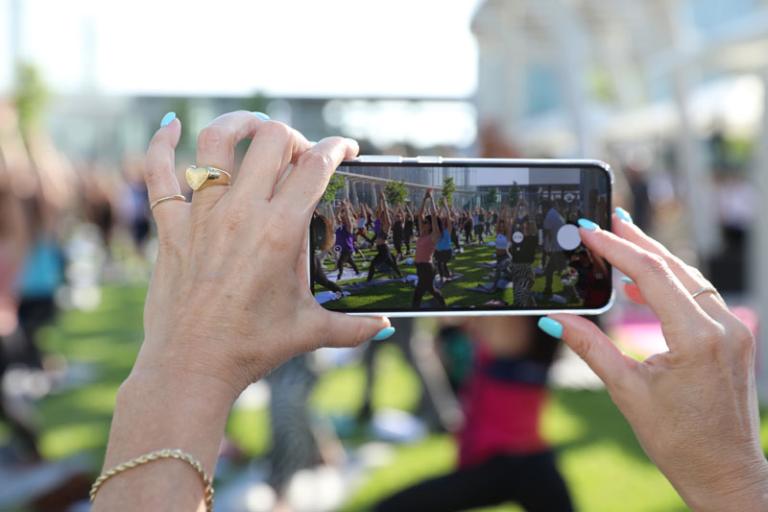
(320, 231)
(345, 240)
(502, 247)
(398, 232)
(408, 229)
(443, 252)
(381, 229)
(429, 235)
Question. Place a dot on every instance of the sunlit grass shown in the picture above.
(604, 466)
(456, 293)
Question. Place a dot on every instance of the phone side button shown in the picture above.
(429, 160)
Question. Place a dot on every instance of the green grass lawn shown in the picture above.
(603, 464)
(456, 293)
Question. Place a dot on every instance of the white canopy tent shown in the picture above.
(637, 45)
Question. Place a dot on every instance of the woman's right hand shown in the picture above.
(694, 408)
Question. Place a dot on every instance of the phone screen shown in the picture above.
(401, 238)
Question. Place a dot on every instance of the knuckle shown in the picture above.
(582, 346)
(213, 137)
(741, 336)
(316, 160)
(676, 263)
(654, 263)
(275, 130)
(360, 335)
(697, 275)
(711, 333)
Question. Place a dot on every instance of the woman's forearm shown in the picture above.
(157, 409)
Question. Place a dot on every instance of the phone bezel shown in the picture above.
(436, 161)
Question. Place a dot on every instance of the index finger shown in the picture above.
(662, 290)
(305, 185)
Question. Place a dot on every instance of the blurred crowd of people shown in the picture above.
(65, 228)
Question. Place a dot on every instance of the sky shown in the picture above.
(400, 48)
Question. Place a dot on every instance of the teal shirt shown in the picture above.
(42, 272)
(444, 243)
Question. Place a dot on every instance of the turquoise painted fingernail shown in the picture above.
(551, 327)
(623, 214)
(384, 334)
(167, 119)
(627, 280)
(261, 115)
(588, 224)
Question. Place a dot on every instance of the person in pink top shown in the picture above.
(429, 234)
(501, 455)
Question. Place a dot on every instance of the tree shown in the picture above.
(395, 192)
(492, 196)
(514, 194)
(31, 97)
(449, 187)
(336, 184)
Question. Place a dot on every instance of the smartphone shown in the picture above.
(439, 236)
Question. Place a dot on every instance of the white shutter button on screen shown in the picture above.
(568, 237)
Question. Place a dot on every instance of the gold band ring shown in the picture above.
(706, 289)
(175, 197)
(200, 177)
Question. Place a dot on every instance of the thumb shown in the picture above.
(342, 330)
(592, 345)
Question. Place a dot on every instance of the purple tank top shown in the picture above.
(377, 229)
(344, 239)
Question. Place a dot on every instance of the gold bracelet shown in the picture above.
(153, 456)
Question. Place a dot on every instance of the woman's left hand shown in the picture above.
(229, 300)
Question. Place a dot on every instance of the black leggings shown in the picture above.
(33, 314)
(479, 232)
(426, 283)
(383, 256)
(442, 258)
(455, 239)
(24, 432)
(317, 275)
(345, 257)
(532, 481)
(397, 241)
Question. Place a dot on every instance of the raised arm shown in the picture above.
(346, 217)
(423, 206)
(435, 221)
(386, 219)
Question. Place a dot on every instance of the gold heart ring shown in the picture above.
(200, 177)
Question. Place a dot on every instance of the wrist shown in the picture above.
(159, 409)
(210, 370)
(742, 489)
(175, 409)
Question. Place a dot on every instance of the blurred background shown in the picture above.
(671, 93)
